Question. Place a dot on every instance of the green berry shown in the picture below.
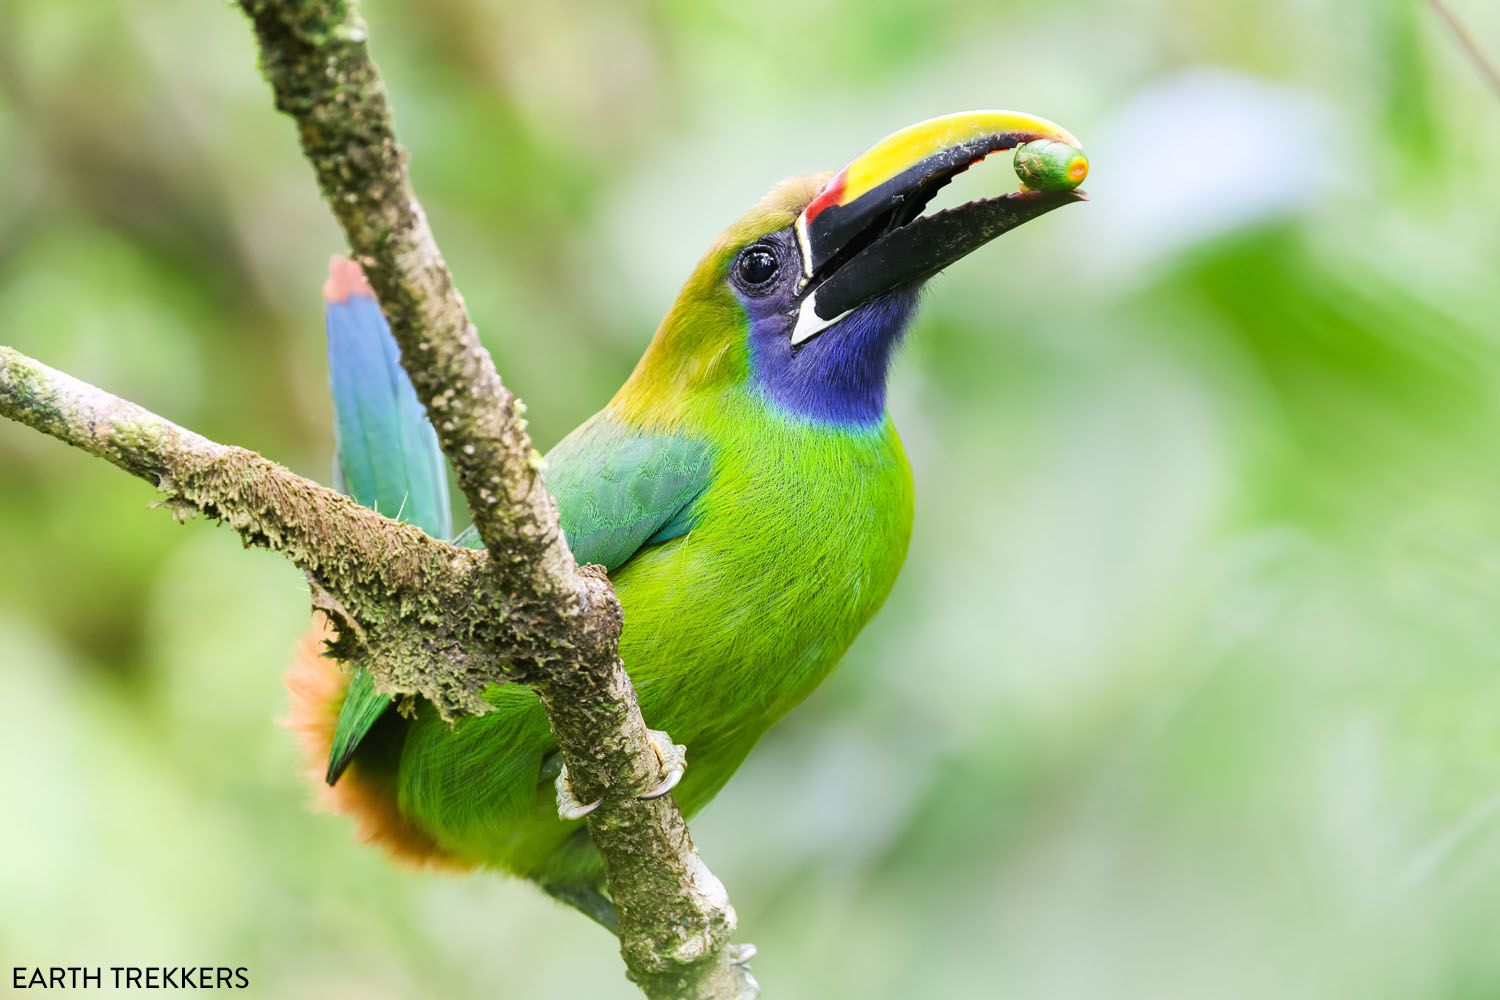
(1049, 165)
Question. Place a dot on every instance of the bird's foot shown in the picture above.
(568, 806)
(673, 757)
(741, 954)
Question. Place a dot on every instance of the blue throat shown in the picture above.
(837, 377)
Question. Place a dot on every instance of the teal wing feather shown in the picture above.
(388, 459)
(620, 490)
(362, 708)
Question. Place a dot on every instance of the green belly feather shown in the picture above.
(796, 538)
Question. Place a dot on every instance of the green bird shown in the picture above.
(745, 489)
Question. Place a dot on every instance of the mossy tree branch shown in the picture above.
(408, 605)
(428, 618)
(675, 919)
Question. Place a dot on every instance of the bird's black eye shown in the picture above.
(757, 265)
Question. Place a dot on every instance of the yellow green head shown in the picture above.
(808, 294)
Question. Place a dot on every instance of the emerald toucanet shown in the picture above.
(745, 489)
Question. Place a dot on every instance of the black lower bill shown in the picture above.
(924, 246)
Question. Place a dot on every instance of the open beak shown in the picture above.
(864, 234)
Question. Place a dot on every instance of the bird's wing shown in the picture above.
(388, 455)
(620, 490)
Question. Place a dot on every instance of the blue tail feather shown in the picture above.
(388, 455)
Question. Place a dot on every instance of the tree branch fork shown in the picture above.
(430, 619)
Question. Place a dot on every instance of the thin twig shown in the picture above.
(1466, 41)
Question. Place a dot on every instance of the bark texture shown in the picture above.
(428, 618)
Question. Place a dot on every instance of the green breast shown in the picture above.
(797, 541)
(791, 544)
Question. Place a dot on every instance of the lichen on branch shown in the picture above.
(315, 56)
(407, 605)
(675, 918)
(426, 617)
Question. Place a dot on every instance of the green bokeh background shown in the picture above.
(1191, 684)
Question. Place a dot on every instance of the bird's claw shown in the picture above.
(568, 806)
(673, 757)
(741, 954)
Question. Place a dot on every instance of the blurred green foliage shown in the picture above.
(1190, 685)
